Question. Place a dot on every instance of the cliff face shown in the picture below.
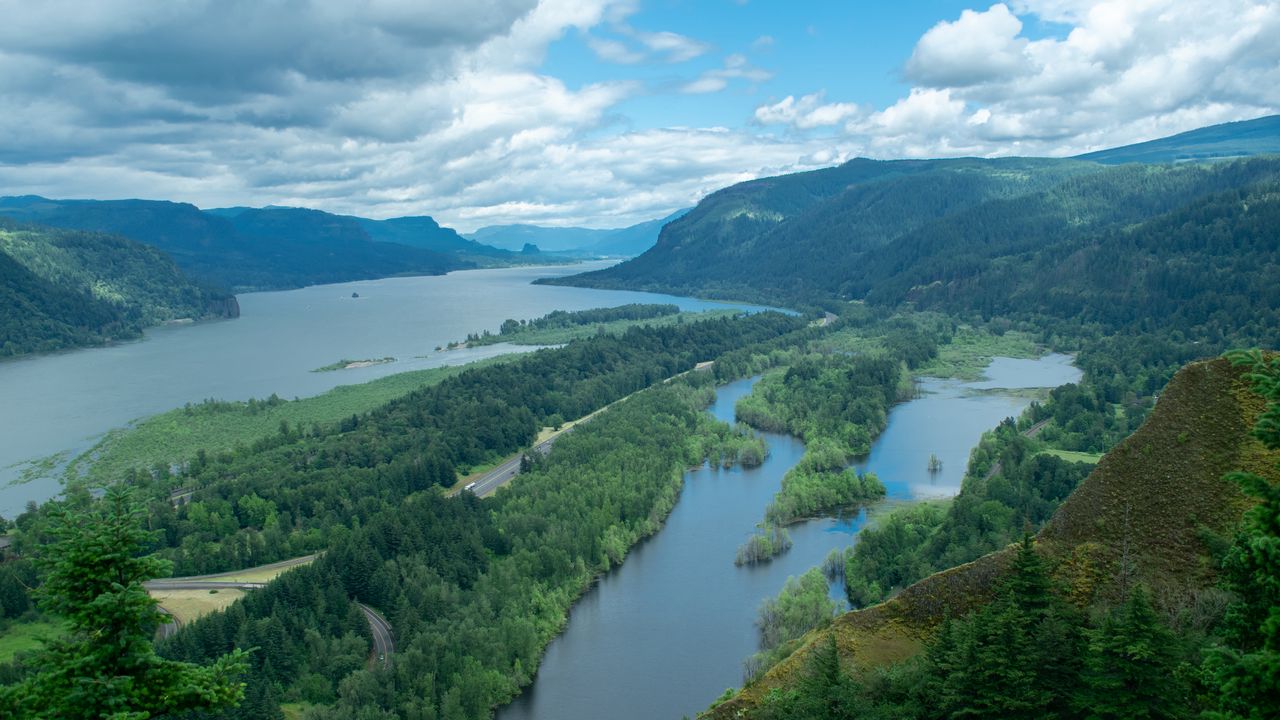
(223, 307)
(1147, 511)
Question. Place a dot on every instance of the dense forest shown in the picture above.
(513, 330)
(66, 288)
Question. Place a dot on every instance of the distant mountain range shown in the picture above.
(68, 288)
(272, 247)
(576, 241)
(1104, 238)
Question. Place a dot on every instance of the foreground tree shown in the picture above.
(1246, 672)
(106, 666)
(1130, 668)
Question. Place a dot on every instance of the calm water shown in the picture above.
(64, 402)
(663, 635)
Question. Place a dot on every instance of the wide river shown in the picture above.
(62, 403)
(665, 633)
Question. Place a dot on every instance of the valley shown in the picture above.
(889, 438)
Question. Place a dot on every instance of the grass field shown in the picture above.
(187, 605)
(25, 636)
(1073, 456)
(177, 435)
(970, 351)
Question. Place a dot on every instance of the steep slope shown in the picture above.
(241, 248)
(575, 241)
(797, 236)
(66, 288)
(631, 241)
(835, 234)
(1151, 505)
(1236, 139)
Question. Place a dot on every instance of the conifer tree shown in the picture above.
(1129, 669)
(106, 666)
(1247, 671)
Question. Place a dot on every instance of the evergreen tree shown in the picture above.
(1016, 658)
(106, 666)
(1129, 669)
(1247, 671)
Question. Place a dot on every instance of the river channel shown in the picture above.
(62, 403)
(665, 633)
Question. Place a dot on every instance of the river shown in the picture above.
(62, 403)
(665, 633)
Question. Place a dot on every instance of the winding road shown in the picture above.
(384, 643)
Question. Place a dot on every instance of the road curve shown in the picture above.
(383, 643)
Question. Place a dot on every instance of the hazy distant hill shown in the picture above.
(627, 241)
(65, 288)
(631, 241)
(1237, 139)
(243, 248)
(548, 239)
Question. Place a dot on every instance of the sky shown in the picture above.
(598, 113)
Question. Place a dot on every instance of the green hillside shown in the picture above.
(934, 231)
(1154, 512)
(243, 248)
(67, 288)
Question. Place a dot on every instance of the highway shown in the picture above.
(501, 475)
(383, 643)
(489, 483)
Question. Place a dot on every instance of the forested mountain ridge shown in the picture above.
(268, 248)
(1235, 139)
(67, 288)
(835, 234)
(1156, 512)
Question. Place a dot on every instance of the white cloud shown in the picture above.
(383, 108)
(808, 112)
(1123, 71)
(979, 47)
(736, 67)
(662, 46)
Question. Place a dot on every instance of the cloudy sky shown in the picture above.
(587, 112)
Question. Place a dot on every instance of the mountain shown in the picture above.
(68, 288)
(548, 239)
(425, 233)
(634, 240)
(1157, 503)
(1247, 137)
(928, 231)
(243, 248)
(577, 241)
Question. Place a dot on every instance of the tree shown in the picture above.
(1246, 673)
(1130, 667)
(106, 666)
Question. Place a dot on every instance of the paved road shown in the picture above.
(489, 483)
(501, 475)
(184, 584)
(383, 643)
(270, 566)
(1030, 432)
